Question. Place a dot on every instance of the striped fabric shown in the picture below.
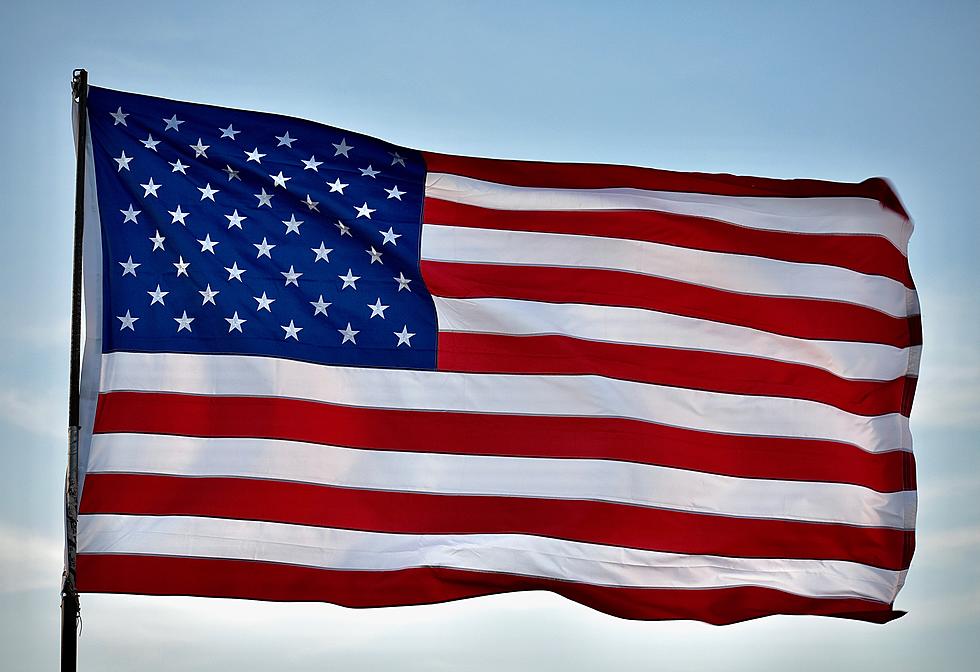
(663, 395)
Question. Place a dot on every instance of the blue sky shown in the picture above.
(829, 90)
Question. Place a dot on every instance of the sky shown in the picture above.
(830, 90)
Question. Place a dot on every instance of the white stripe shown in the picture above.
(525, 555)
(833, 214)
(612, 324)
(730, 272)
(549, 478)
(496, 393)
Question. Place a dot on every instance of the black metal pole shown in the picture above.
(69, 595)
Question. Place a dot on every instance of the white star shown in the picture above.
(128, 321)
(280, 180)
(157, 296)
(377, 309)
(311, 204)
(342, 148)
(344, 229)
(337, 185)
(395, 193)
(200, 149)
(402, 282)
(264, 198)
(321, 252)
(349, 279)
(179, 167)
(291, 276)
(232, 173)
(264, 249)
(208, 295)
(264, 302)
(234, 273)
(311, 164)
(364, 210)
(254, 156)
(183, 322)
(234, 219)
(129, 268)
(182, 266)
(320, 306)
(150, 188)
(348, 334)
(229, 132)
(207, 245)
(178, 216)
(130, 214)
(207, 192)
(390, 237)
(157, 241)
(292, 331)
(173, 123)
(235, 323)
(292, 225)
(284, 139)
(120, 117)
(375, 255)
(150, 143)
(369, 172)
(405, 336)
(123, 161)
(397, 158)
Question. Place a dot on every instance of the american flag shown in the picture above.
(322, 367)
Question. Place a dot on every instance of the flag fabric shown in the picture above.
(322, 367)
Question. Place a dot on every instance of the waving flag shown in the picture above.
(323, 367)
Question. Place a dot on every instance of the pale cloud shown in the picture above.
(953, 549)
(948, 393)
(945, 610)
(956, 539)
(29, 561)
(53, 335)
(964, 487)
(41, 414)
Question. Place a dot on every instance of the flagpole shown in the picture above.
(70, 609)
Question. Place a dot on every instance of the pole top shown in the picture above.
(79, 81)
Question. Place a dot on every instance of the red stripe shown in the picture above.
(416, 513)
(154, 575)
(802, 318)
(600, 176)
(508, 435)
(497, 353)
(872, 255)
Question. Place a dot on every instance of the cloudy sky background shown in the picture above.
(839, 91)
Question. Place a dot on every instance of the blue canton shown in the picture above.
(228, 231)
